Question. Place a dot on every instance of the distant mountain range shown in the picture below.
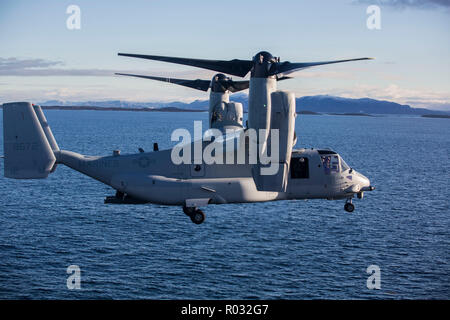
(319, 104)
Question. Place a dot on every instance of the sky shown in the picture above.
(42, 59)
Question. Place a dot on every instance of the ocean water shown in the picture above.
(276, 250)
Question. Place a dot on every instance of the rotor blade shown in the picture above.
(237, 86)
(283, 78)
(233, 86)
(289, 67)
(194, 84)
(242, 85)
(235, 67)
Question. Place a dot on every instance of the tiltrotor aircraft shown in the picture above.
(31, 151)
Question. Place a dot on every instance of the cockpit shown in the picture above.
(316, 172)
(305, 163)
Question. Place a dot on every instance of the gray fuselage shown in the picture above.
(154, 178)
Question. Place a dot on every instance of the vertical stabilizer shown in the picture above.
(47, 131)
(28, 153)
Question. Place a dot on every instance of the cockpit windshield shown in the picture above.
(344, 165)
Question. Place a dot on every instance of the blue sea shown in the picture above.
(277, 250)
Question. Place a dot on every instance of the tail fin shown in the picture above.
(47, 131)
(29, 144)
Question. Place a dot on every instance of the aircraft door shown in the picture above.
(300, 176)
(300, 168)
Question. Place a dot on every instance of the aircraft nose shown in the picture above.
(364, 182)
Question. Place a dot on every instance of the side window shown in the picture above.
(299, 168)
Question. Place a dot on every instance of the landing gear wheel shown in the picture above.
(189, 211)
(349, 207)
(197, 217)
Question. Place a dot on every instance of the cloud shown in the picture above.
(416, 98)
(403, 4)
(41, 67)
(44, 68)
(126, 88)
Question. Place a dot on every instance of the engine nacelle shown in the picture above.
(282, 118)
(224, 114)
